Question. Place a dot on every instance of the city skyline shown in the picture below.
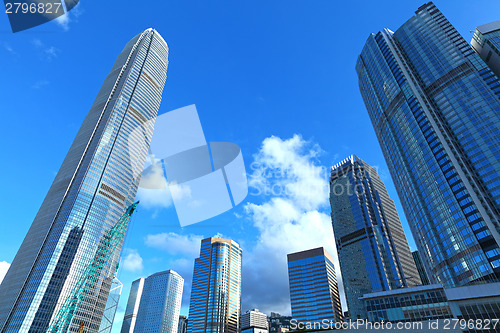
(230, 108)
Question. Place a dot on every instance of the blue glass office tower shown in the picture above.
(435, 107)
(314, 293)
(215, 303)
(486, 42)
(154, 304)
(96, 183)
(373, 251)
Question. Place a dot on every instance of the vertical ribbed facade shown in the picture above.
(420, 268)
(435, 108)
(160, 303)
(96, 183)
(134, 300)
(215, 303)
(373, 250)
(314, 293)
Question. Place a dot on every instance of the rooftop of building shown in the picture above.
(489, 27)
(309, 254)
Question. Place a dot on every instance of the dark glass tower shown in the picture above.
(215, 303)
(314, 293)
(96, 183)
(435, 107)
(420, 267)
(373, 251)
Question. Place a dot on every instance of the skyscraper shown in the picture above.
(254, 321)
(154, 304)
(420, 268)
(134, 300)
(373, 251)
(435, 108)
(216, 290)
(182, 328)
(108, 316)
(314, 292)
(486, 42)
(96, 183)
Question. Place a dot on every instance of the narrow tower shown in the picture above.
(96, 183)
(373, 251)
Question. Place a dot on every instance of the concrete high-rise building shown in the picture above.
(314, 293)
(254, 321)
(216, 290)
(134, 300)
(154, 304)
(435, 108)
(96, 183)
(420, 268)
(373, 251)
(486, 42)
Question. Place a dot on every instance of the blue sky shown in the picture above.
(271, 76)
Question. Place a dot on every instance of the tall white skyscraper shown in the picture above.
(154, 304)
(96, 183)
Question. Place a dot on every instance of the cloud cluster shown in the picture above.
(132, 261)
(290, 211)
(175, 244)
(288, 221)
(4, 267)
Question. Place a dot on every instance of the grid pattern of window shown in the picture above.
(373, 250)
(96, 183)
(411, 306)
(160, 303)
(480, 311)
(134, 300)
(314, 291)
(486, 42)
(435, 107)
(215, 303)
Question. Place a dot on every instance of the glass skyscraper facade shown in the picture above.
(154, 304)
(314, 293)
(435, 108)
(373, 250)
(215, 303)
(486, 42)
(96, 183)
(420, 268)
(134, 300)
(108, 317)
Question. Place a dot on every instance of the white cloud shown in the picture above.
(132, 261)
(175, 244)
(63, 21)
(4, 267)
(47, 52)
(294, 216)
